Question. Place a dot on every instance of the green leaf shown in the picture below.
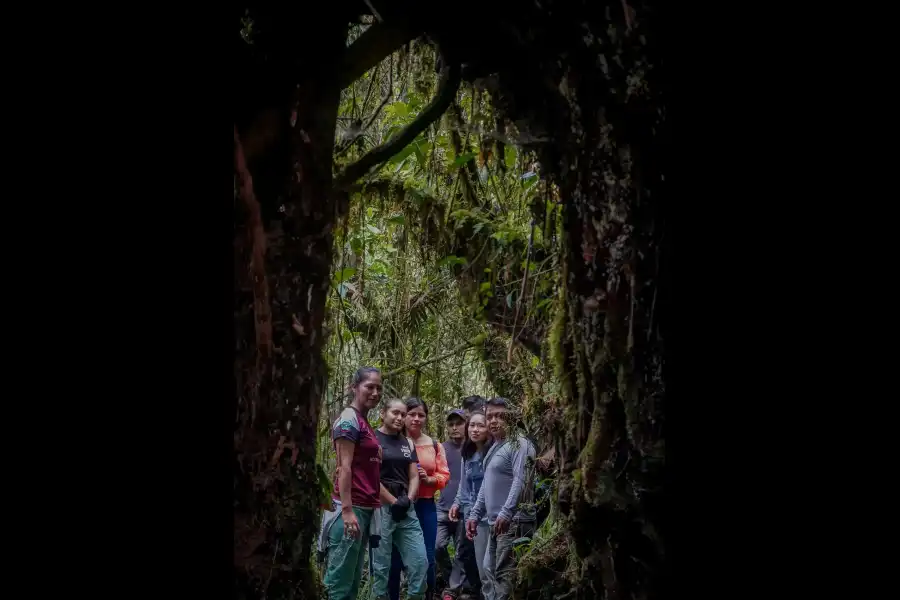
(509, 299)
(420, 156)
(529, 179)
(414, 102)
(401, 156)
(356, 245)
(397, 109)
(543, 303)
(399, 219)
(344, 275)
(452, 260)
(379, 267)
(463, 159)
(510, 156)
(521, 540)
(373, 229)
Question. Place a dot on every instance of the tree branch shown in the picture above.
(373, 46)
(428, 361)
(447, 88)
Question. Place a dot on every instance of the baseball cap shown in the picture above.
(458, 412)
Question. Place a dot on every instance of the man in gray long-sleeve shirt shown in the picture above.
(504, 479)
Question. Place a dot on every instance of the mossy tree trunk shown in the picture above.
(611, 359)
(283, 263)
(291, 67)
(593, 93)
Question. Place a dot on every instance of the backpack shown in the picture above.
(537, 488)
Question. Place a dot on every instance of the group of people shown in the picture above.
(384, 505)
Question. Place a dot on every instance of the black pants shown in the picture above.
(465, 563)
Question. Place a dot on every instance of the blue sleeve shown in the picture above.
(477, 512)
(464, 495)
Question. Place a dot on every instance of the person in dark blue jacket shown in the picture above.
(470, 554)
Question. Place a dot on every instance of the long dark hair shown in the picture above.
(411, 403)
(468, 446)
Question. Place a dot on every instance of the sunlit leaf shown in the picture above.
(398, 109)
(401, 156)
(462, 159)
(379, 267)
(344, 274)
(399, 219)
(414, 102)
(510, 156)
(372, 229)
(420, 156)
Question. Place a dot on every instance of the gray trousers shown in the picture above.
(500, 561)
(463, 575)
(452, 570)
(481, 544)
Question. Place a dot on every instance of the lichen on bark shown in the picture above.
(604, 348)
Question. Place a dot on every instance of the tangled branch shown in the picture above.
(447, 88)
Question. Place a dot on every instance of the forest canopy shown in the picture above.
(473, 205)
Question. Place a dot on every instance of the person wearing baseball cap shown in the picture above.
(454, 575)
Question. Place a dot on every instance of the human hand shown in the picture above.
(351, 525)
(471, 529)
(501, 526)
(454, 513)
(399, 508)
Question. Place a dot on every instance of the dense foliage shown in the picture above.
(474, 205)
(429, 279)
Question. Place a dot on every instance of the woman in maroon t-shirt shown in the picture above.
(356, 487)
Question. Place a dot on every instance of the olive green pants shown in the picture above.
(346, 557)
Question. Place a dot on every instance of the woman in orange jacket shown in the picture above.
(433, 476)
